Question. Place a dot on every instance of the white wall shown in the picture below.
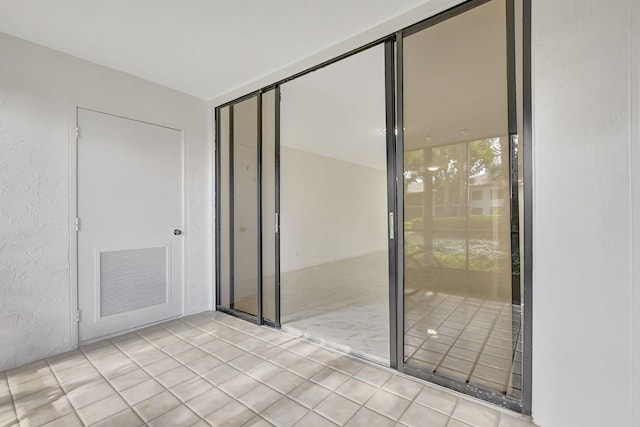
(38, 89)
(582, 306)
(329, 209)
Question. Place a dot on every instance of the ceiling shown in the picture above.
(201, 47)
(339, 111)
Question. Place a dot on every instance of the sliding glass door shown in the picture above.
(462, 298)
(246, 187)
(333, 191)
(375, 203)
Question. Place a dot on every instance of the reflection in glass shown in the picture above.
(334, 247)
(462, 317)
(239, 206)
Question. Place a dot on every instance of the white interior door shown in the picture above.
(130, 193)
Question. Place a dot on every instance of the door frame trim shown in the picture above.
(74, 305)
(525, 404)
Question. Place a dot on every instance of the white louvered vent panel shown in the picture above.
(132, 279)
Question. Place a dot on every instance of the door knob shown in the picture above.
(177, 232)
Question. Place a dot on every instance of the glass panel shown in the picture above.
(245, 206)
(225, 244)
(269, 205)
(459, 305)
(334, 243)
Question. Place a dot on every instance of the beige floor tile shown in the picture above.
(178, 347)
(285, 358)
(306, 368)
(346, 365)
(27, 372)
(337, 408)
(213, 346)
(165, 340)
(238, 385)
(264, 370)
(457, 423)
(285, 412)
(86, 395)
(476, 414)
(189, 355)
(157, 405)
(228, 353)
(285, 381)
(5, 394)
(245, 362)
(315, 420)
(257, 421)
(513, 421)
(403, 387)
(129, 379)
(69, 420)
(46, 381)
(231, 414)
(112, 371)
(439, 400)
(112, 363)
(7, 413)
(220, 374)
(208, 402)
(260, 398)
(66, 360)
(367, 418)
(180, 416)
(46, 413)
(417, 416)
(28, 403)
(330, 378)
(201, 338)
(161, 366)
(124, 418)
(149, 357)
(175, 376)
(309, 394)
(142, 391)
(189, 389)
(83, 371)
(102, 409)
(373, 375)
(388, 404)
(204, 364)
(356, 390)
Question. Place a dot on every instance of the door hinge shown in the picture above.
(77, 132)
(77, 224)
(391, 226)
(277, 224)
(78, 316)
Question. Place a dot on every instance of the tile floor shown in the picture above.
(344, 303)
(470, 340)
(214, 369)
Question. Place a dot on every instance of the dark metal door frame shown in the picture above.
(393, 48)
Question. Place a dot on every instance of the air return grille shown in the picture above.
(132, 279)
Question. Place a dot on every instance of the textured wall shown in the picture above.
(38, 89)
(582, 240)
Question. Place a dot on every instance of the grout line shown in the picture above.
(110, 385)
(13, 400)
(484, 345)
(438, 365)
(65, 395)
